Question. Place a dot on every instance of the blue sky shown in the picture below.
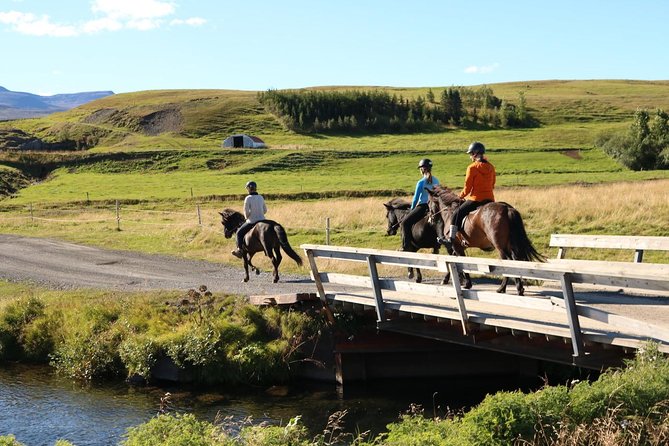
(68, 46)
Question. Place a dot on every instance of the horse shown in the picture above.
(495, 225)
(423, 234)
(266, 236)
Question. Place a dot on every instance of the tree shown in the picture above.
(645, 146)
(430, 96)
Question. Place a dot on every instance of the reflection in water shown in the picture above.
(39, 408)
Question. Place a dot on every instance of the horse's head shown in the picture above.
(231, 221)
(396, 209)
(441, 203)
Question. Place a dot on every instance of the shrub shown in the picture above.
(86, 356)
(139, 354)
(174, 430)
(9, 440)
(13, 321)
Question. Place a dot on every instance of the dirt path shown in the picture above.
(61, 265)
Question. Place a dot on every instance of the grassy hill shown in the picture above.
(165, 145)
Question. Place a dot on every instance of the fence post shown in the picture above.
(327, 230)
(118, 217)
(191, 192)
(199, 216)
(88, 199)
(32, 217)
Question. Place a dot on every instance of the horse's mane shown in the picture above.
(399, 203)
(230, 215)
(446, 196)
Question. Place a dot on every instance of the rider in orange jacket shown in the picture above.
(478, 190)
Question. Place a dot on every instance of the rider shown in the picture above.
(254, 211)
(419, 202)
(478, 190)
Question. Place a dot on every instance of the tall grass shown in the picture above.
(636, 208)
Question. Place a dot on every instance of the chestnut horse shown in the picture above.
(423, 234)
(266, 236)
(495, 225)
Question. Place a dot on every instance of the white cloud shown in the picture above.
(133, 9)
(30, 24)
(113, 15)
(193, 21)
(474, 69)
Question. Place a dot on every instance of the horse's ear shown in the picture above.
(221, 214)
(388, 206)
(431, 192)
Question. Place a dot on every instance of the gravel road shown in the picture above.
(57, 264)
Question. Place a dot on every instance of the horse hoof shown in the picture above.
(257, 272)
(245, 279)
(419, 279)
(276, 280)
(468, 285)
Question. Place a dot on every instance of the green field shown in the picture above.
(160, 150)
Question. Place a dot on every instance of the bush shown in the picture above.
(174, 430)
(645, 146)
(9, 440)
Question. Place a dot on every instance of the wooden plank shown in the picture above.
(455, 279)
(572, 316)
(609, 242)
(319, 286)
(378, 295)
(282, 299)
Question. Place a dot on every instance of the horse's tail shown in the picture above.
(521, 246)
(283, 241)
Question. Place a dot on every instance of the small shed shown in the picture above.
(239, 141)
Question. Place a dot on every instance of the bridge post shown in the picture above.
(638, 256)
(572, 316)
(319, 286)
(454, 270)
(378, 296)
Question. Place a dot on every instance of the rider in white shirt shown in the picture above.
(254, 211)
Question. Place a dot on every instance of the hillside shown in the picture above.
(166, 145)
(19, 105)
(569, 114)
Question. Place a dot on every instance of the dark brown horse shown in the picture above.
(266, 236)
(495, 225)
(423, 234)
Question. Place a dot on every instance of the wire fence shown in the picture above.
(122, 218)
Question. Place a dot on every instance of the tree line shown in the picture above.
(379, 111)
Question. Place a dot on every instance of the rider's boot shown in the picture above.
(237, 253)
(450, 240)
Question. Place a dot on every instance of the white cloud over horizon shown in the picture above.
(112, 15)
(475, 69)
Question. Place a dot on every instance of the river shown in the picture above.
(38, 407)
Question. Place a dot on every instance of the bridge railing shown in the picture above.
(556, 313)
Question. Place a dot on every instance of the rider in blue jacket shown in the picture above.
(419, 202)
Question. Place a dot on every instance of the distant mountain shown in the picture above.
(15, 104)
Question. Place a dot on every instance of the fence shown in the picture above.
(121, 216)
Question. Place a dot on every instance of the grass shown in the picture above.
(171, 227)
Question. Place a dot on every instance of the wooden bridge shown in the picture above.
(587, 313)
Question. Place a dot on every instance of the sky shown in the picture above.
(67, 46)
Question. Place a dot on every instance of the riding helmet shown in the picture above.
(252, 185)
(476, 147)
(425, 162)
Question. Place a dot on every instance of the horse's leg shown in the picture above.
(410, 274)
(247, 262)
(419, 276)
(459, 250)
(253, 267)
(276, 261)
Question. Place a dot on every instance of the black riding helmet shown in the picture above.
(251, 185)
(476, 147)
(426, 163)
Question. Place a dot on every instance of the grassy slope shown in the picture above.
(131, 165)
